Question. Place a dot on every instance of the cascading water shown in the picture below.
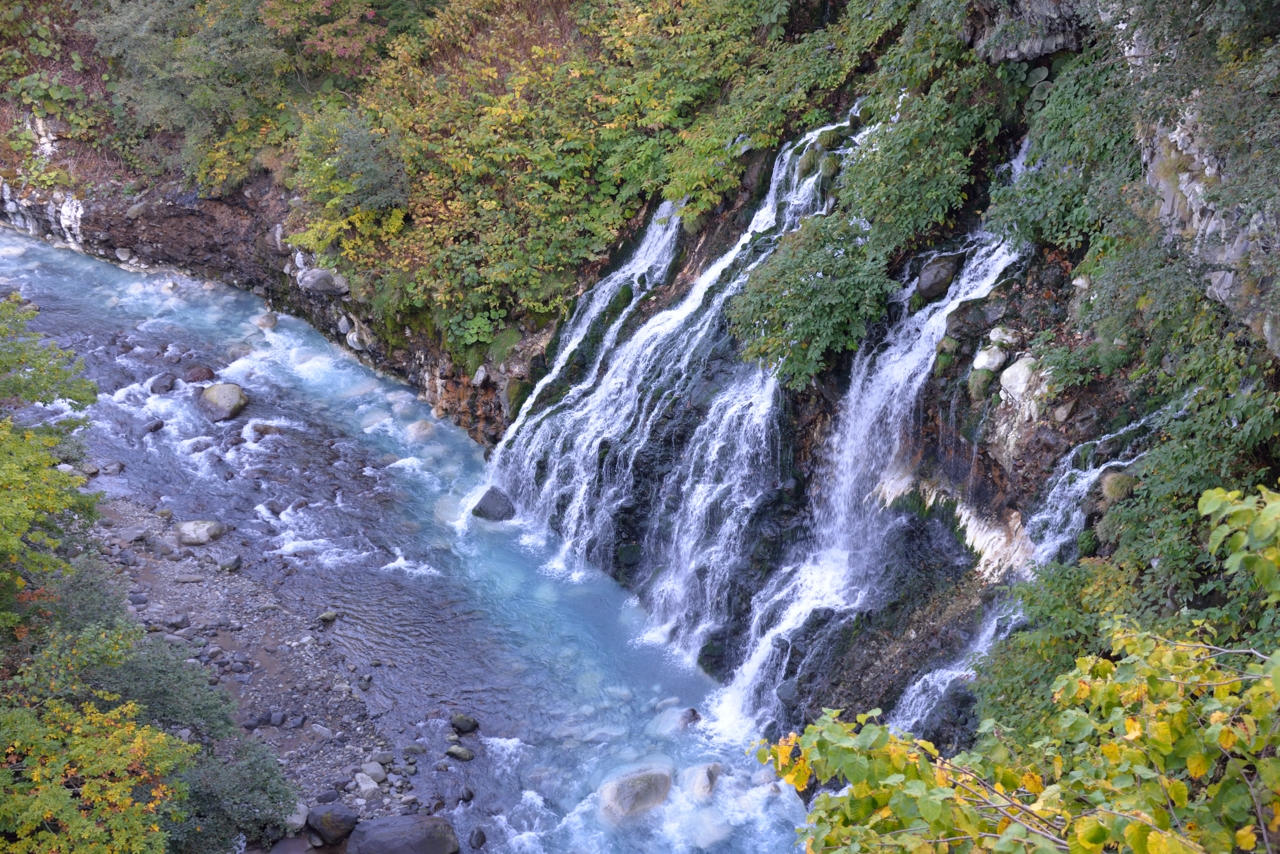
(1053, 530)
(659, 459)
(841, 572)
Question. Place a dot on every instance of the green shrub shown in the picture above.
(815, 297)
(169, 691)
(234, 787)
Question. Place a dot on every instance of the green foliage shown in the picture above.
(195, 69)
(233, 788)
(1166, 746)
(816, 296)
(1081, 141)
(35, 498)
(168, 691)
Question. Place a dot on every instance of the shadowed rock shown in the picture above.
(495, 506)
(404, 834)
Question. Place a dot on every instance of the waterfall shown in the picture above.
(656, 460)
(841, 572)
(1055, 527)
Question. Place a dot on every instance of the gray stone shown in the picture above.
(198, 374)
(137, 599)
(322, 282)
(231, 565)
(291, 845)
(188, 579)
(495, 506)
(332, 821)
(464, 723)
(374, 771)
(366, 787)
(322, 731)
(636, 791)
(460, 753)
(1003, 336)
(787, 692)
(199, 532)
(113, 468)
(1017, 379)
(326, 798)
(477, 839)
(296, 819)
(386, 757)
(163, 384)
(223, 401)
(990, 359)
(328, 616)
(266, 321)
(404, 834)
(700, 780)
(936, 276)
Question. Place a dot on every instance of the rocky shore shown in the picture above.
(295, 690)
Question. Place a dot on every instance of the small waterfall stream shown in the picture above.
(1052, 530)
(841, 572)
(657, 461)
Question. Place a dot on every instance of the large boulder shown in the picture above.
(495, 506)
(1019, 379)
(989, 359)
(404, 834)
(332, 822)
(223, 401)
(200, 532)
(635, 791)
(937, 275)
(323, 282)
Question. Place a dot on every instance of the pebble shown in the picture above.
(462, 754)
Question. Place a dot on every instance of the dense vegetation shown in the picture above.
(88, 708)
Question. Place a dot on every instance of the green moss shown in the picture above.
(979, 383)
(503, 343)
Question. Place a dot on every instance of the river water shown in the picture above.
(351, 500)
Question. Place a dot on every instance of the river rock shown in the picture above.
(200, 532)
(366, 787)
(477, 839)
(420, 431)
(1003, 336)
(636, 791)
(937, 275)
(404, 834)
(290, 845)
(374, 771)
(464, 723)
(460, 753)
(700, 780)
(198, 374)
(297, 819)
(322, 282)
(266, 321)
(990, 359)
(163, 384)
(671, 721)
(223, 401)
(332, 822)
(495, 506)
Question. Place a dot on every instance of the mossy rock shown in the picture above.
(473, 358)
(503, 343)
(829, 166)
(1117, 486)
(948, 345)
(943, 363)
(517, 393)
(833, 138)
(979, 384)
(809, 161)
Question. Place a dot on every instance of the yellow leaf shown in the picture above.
(1111, 751)
(1197, 765)
(1132, 729)
(1246, 839)
(1032, 782)
(1227, 738)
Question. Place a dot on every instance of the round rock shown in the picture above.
(404, 834)
(464, 723)
(223, 401)
(332, 822)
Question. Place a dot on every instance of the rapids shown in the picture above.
(352, 501)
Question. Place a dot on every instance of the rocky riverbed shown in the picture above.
(296, 691)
